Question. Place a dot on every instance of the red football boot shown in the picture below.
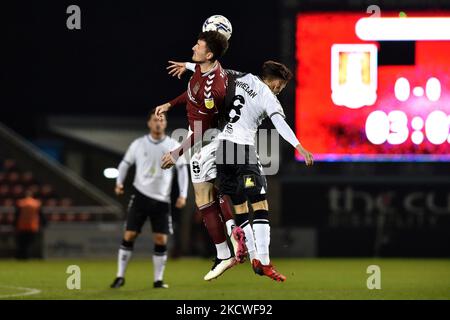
(268, 270)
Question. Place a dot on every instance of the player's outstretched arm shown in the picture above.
(181, 99)
(286, 132)
(177, 69)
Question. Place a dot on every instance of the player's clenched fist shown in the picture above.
(181, 203)
(119, 189)
(167, 161)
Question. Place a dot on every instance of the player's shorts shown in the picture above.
(239, 171)
(142, 207)
(203, 163)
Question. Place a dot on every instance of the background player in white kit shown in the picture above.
(250, 100)
(151, 196)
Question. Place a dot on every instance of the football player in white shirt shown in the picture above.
(250, 100)
(151, 196)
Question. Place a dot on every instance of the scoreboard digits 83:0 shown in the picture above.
(374, 88)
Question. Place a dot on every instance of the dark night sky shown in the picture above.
(116, 63)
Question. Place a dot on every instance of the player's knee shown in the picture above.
(238, 199)
(259, 202)
(160, 239)
(127, 245)
(241, 208)
(261, 217)
(160, 249)
(130, 235)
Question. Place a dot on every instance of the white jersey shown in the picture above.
(253, 101)
(150, 180)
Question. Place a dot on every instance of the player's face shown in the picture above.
(276, 85)
(201, 52)
(156, 125)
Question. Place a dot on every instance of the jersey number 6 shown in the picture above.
(236, 105)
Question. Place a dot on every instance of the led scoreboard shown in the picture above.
(373, 88)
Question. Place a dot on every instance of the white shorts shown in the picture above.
(203, 163)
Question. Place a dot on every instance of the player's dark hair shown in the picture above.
(153, 112)
(216, 42)
(275, 70)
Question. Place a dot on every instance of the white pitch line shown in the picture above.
(28, 292)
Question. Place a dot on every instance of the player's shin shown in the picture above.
(124, 256)
(214, 224)
(261, 228)
(227, 212)
(159, 261)
(242, 220)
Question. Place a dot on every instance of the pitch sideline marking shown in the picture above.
(28, 292)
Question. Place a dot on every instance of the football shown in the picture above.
(218, 23)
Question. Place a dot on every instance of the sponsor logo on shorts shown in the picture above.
(249, 181)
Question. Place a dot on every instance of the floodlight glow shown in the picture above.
(111, 173)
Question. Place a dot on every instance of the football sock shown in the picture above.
(214, 224)
(159, 261)
(230, 224)
(226, 210)
(223, 251)
(125, 252)
(262, 235)
(243, 222)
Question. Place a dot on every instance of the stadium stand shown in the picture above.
(66, 197)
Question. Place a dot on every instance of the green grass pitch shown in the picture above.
(306, 279)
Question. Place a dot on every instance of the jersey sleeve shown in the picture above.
(284, 130)
(272, 105)
(235, 73)
(128, 160)
(190, 66)
(130, 155)
(181, 99)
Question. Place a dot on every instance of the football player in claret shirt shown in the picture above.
(204, 99)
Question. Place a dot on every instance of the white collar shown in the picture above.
(212, 69)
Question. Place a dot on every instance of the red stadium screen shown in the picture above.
(374, 88)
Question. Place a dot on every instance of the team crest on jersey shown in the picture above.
(249, 181)
(196, 87)
(209, 103)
